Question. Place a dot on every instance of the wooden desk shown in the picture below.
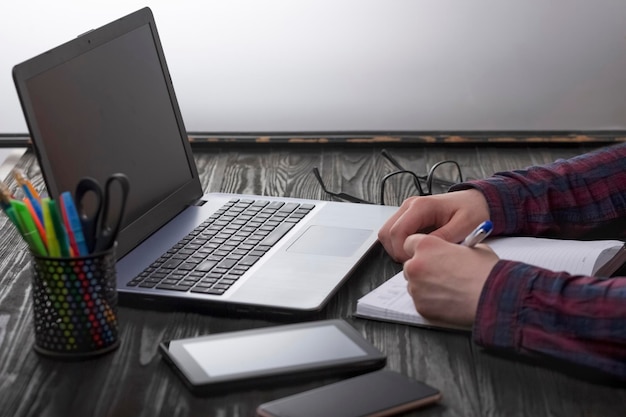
(134, 380)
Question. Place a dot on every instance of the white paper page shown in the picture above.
(392, 297)
(573, 256)
(391, 301)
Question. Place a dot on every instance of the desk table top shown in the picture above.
(135, 381)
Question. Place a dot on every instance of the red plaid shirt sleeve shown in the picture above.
(533, 311)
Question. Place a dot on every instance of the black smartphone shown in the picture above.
(379, 394)
(271, 355)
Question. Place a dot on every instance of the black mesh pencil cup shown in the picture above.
(75, 305)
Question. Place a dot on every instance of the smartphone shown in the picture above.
(379, 394)
(271, 355)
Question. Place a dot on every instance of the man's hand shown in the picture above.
(445, 279)
(450, 216)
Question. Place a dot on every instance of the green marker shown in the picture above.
(10, 212)
(28, 229)
(59, 229)
(5, 202)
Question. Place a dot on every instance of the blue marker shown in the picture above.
(72, 223)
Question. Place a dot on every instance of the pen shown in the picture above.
(481, 232)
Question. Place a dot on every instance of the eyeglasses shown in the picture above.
(425, 184)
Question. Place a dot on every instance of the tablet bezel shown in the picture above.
(197, 379)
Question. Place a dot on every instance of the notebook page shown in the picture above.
(573, 256)
(391, 301)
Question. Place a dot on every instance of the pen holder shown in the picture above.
(75, 305)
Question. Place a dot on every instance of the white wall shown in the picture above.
(345, 65)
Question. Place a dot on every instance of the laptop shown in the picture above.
(104, 103)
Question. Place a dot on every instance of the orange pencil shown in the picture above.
(33, 213)
(26, 184)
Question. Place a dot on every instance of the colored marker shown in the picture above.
(54, 249)
(35, 217)
(59, 228)
(5, 203)
(73, 225)
(10, 212)
(30, 233)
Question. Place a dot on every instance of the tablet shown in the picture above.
(273, 354)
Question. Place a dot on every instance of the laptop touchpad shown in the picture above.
(332, 241)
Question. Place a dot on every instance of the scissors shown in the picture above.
(102, 222)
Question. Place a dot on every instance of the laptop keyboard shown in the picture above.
(218, 252)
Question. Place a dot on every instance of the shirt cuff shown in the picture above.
(494, 202)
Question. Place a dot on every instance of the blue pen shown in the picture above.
(73, 223)
(479, 234)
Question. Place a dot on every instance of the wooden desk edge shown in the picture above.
(405, 138)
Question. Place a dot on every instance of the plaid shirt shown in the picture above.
(533, 311)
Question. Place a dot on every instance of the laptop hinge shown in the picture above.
(198, 203)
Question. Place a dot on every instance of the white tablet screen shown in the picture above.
(258, 352)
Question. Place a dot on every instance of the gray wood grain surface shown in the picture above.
(135, 381)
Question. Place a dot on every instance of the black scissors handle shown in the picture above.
(111, 217)
(102, 222)
(89, 219)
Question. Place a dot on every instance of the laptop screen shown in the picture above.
(105, 105)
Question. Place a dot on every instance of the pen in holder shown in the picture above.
(75, 305)
(73, 262)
